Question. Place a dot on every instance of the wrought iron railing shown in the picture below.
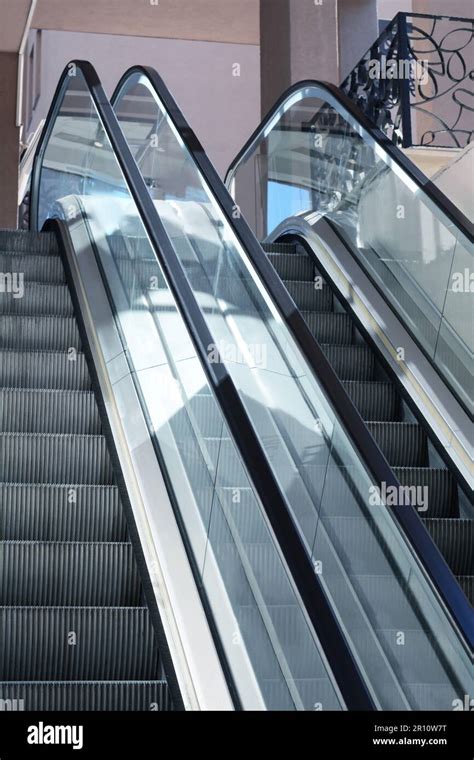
(416, 81)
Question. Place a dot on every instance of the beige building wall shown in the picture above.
(9, 140)
(222, 108)
(387, 9)
(312, 39)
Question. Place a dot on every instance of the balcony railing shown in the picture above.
(415, 82)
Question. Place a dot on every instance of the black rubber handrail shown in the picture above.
(355, 427)
(318, 608)
(444, 204)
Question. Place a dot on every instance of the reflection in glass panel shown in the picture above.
(315, 157)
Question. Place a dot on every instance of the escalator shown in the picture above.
(364, 578)
(403, 441)
(315, 174)
(396, 441)
(185, 597)
(316, 159)
(265, 575)
(76, 630)
(318, 165)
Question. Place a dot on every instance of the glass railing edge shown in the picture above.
(445, 206)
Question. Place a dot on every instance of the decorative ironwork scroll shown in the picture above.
(416, 81)
(378, 97)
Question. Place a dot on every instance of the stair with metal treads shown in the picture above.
(76, 631)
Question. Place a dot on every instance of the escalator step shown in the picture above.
(44, 369)
(279, 247)
(329, 327)
(73, 574)
(48, 411)
(61, 513)
(441, 489)
(86, 695)
(70, 597)
(293, 266)
(309, 297)
(375, 400)
(455, 539)
(54, 458)
(403, 443)
(351, 362)
(26, 241)
(77, 643)
(35, 268)
(43, 333)
(38, 298)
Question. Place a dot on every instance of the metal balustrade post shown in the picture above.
(404, 81)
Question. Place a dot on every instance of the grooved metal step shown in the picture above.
(455, 539)
(77, 643)
(376, 401)
(48, 411)
(441, 489)
(45, 696)
(73, 574)
(39, 333)
(33, 267)
(44, 369)
(36, 298)
(41, 243)
(55, 458)
(72, 629)
(329, 327)
(351, 362)
(32, 512)
(280, 248)
(403, 443)
(310, 296)
(293, 266)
